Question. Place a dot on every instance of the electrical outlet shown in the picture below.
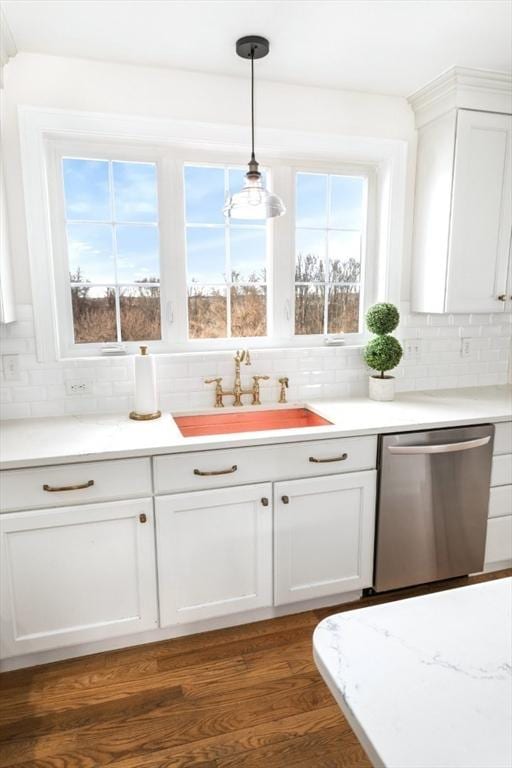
(11, 367)
(412, 349)
(466, 347)
(79, 387)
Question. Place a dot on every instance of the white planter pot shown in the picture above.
(382, 388)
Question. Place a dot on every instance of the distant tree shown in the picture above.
(343, 300)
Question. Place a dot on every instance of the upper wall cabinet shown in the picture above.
(463, 201)
(7, 310)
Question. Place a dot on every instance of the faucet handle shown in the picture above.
(256, 389)
(247, 357)
(284, 386)
(217, 380)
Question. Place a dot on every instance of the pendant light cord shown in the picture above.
(252, 104)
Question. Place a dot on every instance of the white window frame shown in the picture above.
(47, 133)
(367, 282)
(56, 150)
(232, 342)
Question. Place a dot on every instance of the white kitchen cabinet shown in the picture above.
(323, 536)
(501, 470)
(498, 545)
(500, 501)
(214, 551)
(463, 213)
(503, 438)
(201, 470)
(76, 574)
(7, 305)
(70, 484)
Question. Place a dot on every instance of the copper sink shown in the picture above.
(251, 421)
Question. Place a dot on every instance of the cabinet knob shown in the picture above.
(264, 501)
(143, 518)
(502, 297)
(285, 499)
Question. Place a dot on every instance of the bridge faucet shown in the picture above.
(243, 356)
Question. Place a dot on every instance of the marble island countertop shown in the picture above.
(426, 682)
(37, 442)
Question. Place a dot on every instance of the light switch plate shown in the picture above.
(11, 367)
(79, 387)
(412, 349)
(466, 347)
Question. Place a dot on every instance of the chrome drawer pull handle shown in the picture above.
(328, 461)
(216, 472)
(57, 488)
(444, 448)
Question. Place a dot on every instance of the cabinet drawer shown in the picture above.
(500, 502)
(498, 546)
(236, 466)
(503, 438)
(502, 470)
(85, 482)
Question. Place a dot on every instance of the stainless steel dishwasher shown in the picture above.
(433, 505)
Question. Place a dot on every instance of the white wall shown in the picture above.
(73, 84)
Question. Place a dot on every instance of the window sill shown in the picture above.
(179, 353)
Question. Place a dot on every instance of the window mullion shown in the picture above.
(227, 260)
(174, 286)
(113, 233)
(282, 249)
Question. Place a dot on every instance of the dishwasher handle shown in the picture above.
(465, 445)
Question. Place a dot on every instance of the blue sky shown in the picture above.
(133, 198)
(126, 193)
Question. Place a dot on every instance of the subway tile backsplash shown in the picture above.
(434, 362)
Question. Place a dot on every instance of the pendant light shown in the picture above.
(254, 201)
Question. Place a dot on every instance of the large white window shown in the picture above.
(143, 252)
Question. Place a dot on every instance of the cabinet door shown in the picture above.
(323, 534)
(481, 213)
(214, 552)
(76, 574)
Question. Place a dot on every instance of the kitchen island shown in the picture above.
(426, 682)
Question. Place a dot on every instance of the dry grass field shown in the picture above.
(94, 310)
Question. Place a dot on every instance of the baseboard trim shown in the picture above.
(167, 633)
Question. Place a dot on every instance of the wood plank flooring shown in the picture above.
(246, 697)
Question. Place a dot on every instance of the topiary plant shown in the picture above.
(382, 318)
(384, 352)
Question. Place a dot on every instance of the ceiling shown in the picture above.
(378, 46)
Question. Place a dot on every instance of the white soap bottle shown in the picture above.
(146, 398)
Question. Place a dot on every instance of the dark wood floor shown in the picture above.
(247, 697)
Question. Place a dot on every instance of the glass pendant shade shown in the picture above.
(254, 201)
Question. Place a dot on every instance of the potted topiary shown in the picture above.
(383, 352)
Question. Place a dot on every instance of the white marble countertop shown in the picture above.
(426, 682)
(35, 442)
